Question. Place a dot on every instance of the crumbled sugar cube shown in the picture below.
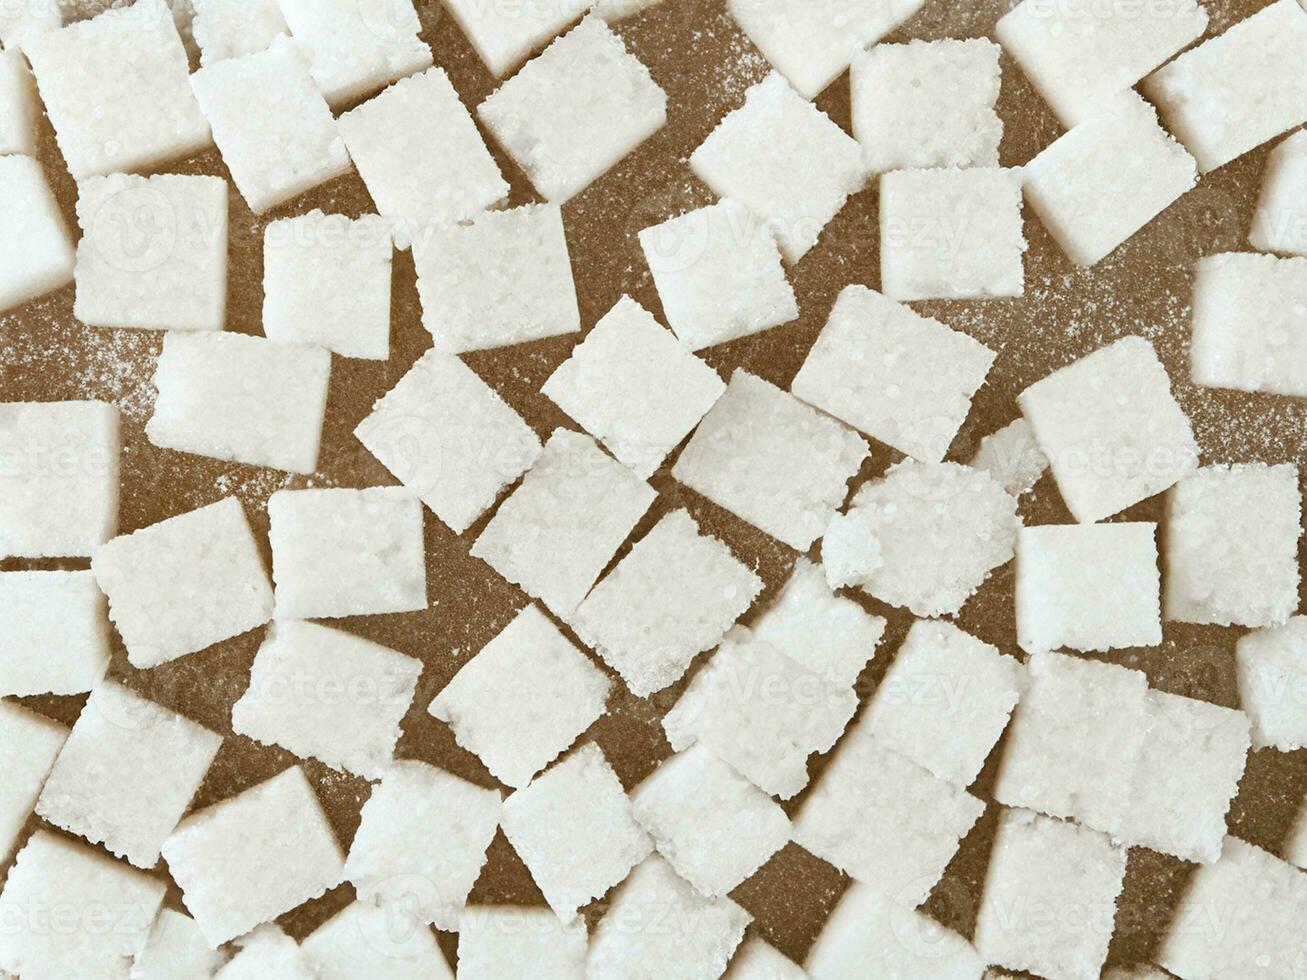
(115, 89)
(253, 857)
(29, 744)
(672, 597)
(70, 911)
(504, 35)
(450, 438)
(367, 940)
(59, 478)
(267, 952)
(785, 160)
(561, 527)
(1272, 673)
(951, 234)
(1280, 224)
(1098, 184)
(634, 387)
(246, 399)
(1250, 323)
(223, 29)
(523, 699)
(614, 11)
(23, 19)
(1088, 587)
(338, 552)
(1081, 54)
(19, 108)
(176, 950)
(574, 829)
(329, 695)
(719, 274)
(36, 252)
(1040, 871)
(61, 614)
(171, 271)
(496, 942)
(1112, 430)
(903, 379)
(572, 113)
(927, 104)
(1234, 92)
(656, 917)
(756, 960)
(397, 861)
(272, 125)
(499, 278)
(1012, 457)
(421, 156)
(185, 583)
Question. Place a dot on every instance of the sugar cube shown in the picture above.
(951, 234)
(1235, 92)
(19, 108)
(366, 940)
(29, 744)
(339, 552)
(272, 125)
(757, 960)
(61, 614)
(572, 113)
(23, 19)
(450, 438)
(329, 695)
(574, 829)
(903, 379)
(1040, 871)
(246, 399)
(70, 911)
(420, 155)
(719, 274)
(267, 952)
(1081, 54)
(634, 387)
(1272, 674)
(927, 104)
(504, 36)
(1111, 428)
(498, 278)
(1250, 323)
(496, 942)
(36, 253)
(1280, 224)
(185, 583)
(672, 597)
(176, 950)
(58, 478)
(783, 159)
(223, 29)
(1012, 457)
(523, 699)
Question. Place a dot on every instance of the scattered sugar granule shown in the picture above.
(223, 29)
(1012, 457)
(19, 106)
(1280, 223)
(672, 597)
(1272, 674)
(36, 252)
(634, 387)
(29, 744)
(1234, 92)
(1111, 428)
(266, 952)
(176, 950)
(504, 35)
(185, 583)
(497, 942)
(523, 699)
(21, 20)
(572, 113)
(903, 379)
(561, 527)
(755, 959)
(366, 940)
(61, 615)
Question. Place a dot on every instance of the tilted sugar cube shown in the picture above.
(499, 941)
(29, 744)
(24, 19)
(756, 960)
(1280, 224)
(366, 940)
(176, 950)
(1272, 674)
(267, 952)
(1012, 457)
(61, 614)
(505, 35)
(223, 29)
(36, 252)
(19, 108)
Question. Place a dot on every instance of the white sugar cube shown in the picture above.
(1280, 224)
(450, 438)
(61, 614)
(927, 104)
(246, 399)
(756, 960)
(366, 940)
(19, 108)
(785, 160)
(115, 89)
(1250, 323)
(1012, 457)
(496, 942)
(1081, 54)
(572, 113)
(329, 695)
(574, 830)
(1098, 184)
(223, 29)
(561, 527)
(29, 744)
(185, 583)
(1235, 92)
(398, 862)
(951, 234)
(499, 278)
(266, 952)
(170, 272)
(903, 379)
(36, 253)
(1039, 871)
(719, 274)
(272, 125)
(339, 552)
(504, 35)
(176, 950)
(1089, 587)
(634, 387)
(23, 19)
(672, 597)
(523, 699)
(1111, 428)
(420, 155)
(1272, 672)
